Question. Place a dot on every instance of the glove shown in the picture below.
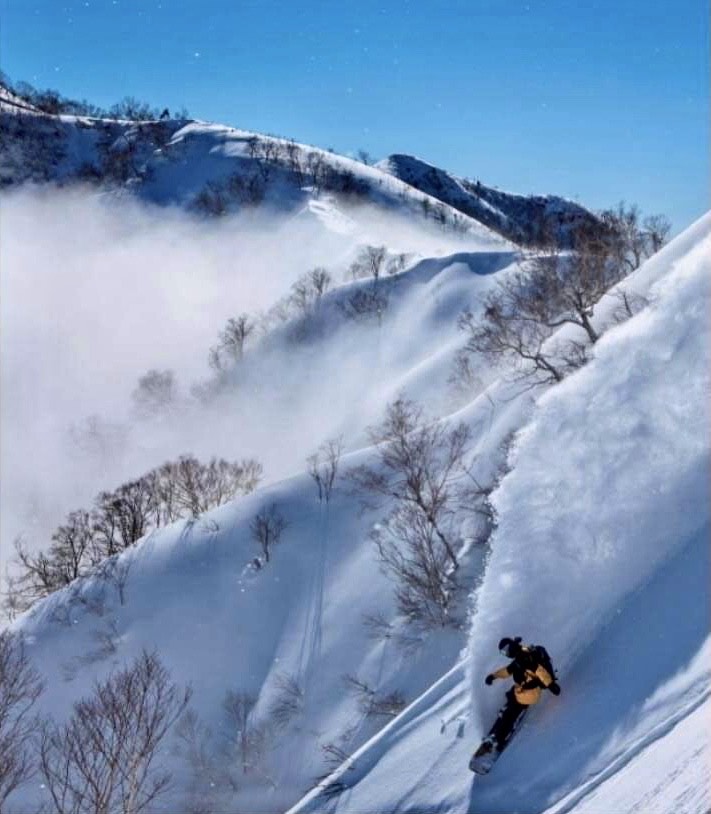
(554, 688)
(489, 680)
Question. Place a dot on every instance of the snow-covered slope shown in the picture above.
(532, 219)
(600, 551)
(615, 586)
(602, 554)
(216, 169)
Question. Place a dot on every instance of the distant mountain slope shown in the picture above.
(215, 169)
(523, 219)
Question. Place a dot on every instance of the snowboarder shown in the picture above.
(532, 672)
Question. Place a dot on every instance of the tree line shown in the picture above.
(178, 489)
(553, 288)
(54, 103)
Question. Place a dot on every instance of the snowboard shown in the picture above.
(483, 760)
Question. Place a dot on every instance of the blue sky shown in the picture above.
(597, 100)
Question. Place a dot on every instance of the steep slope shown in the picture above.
(223, 624)
(527, 220)
(601, 553)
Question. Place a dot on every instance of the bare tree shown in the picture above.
(418, 460)
(632, 239)
(320, 282)
(104, 758)
(72, 552)
(629, 304)
(525, 308)
(293, 157)
(155, 393)
(20, 687)
(307, 291)
(233, 337)
(198, 487)
(41, 574)
(369, 262)
(375, 259)
(381, 629)
(323, 467)
(122, 517)
(502, 336)
(243, 734)
(302, 295)
(196, 746)
(463, 379)
(412, 555)
(267, 528)
(35, 581)
(656, 229)
(556, 288)
(364, 304)
(115, 570)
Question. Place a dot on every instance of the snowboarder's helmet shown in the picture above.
(510, 647)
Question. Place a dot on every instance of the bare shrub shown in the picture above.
(380, 629)
(244, 736)
(156, 392)
(628, 304)
(396, 264)
(267, 528)
(289, 701)
(463, 379)
(196, 747)
(115, 570)
(656, 229)
(20, 687)
(363, 304)
(196, 488)
(371, 703)
(631, 239)
(104, 758)
(212, 200)
(323, 467)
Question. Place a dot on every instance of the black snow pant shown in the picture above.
(509, 715)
